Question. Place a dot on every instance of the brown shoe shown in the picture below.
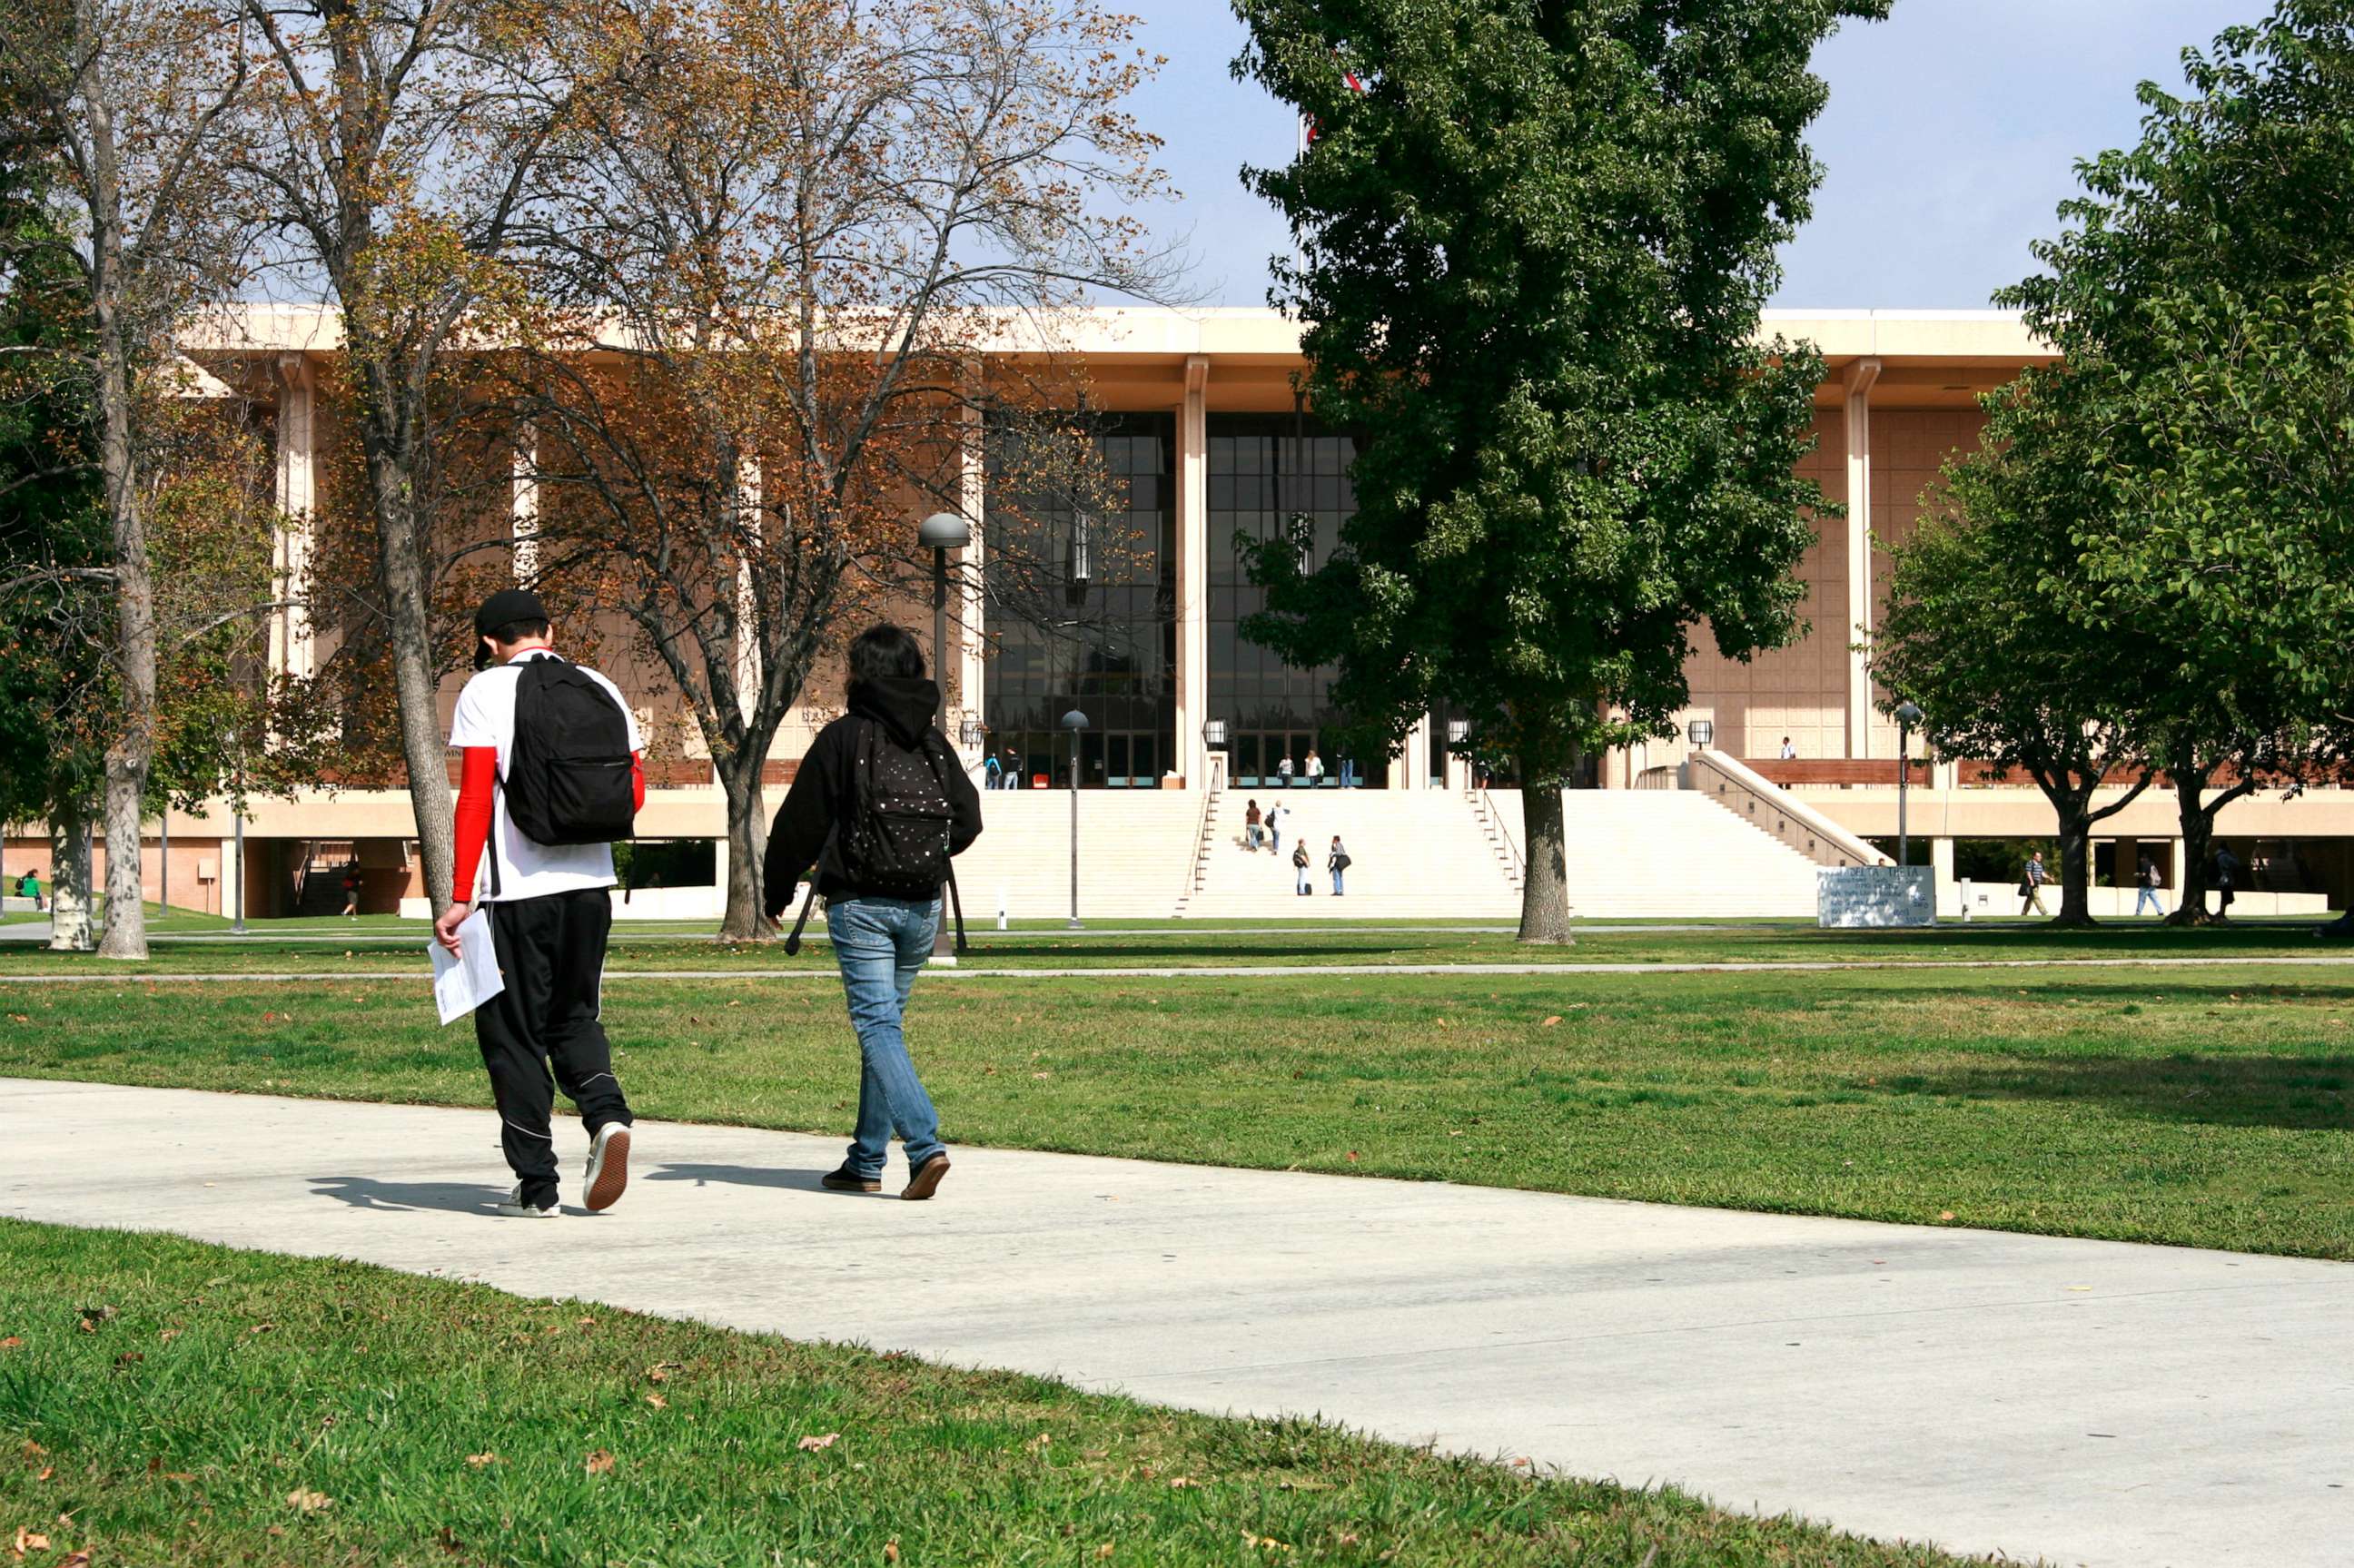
(926, 1180)
(848, 1181)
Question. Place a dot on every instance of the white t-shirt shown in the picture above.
(486, 717)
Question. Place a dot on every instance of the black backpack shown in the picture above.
(569, 775)
(896, 838)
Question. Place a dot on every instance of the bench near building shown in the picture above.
(1189, 721)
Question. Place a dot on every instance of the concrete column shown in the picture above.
(971, 601)
(1941, 860)
(292, 640)
(1410, 768)
(1860, 377)
(524, 500)
(1193, 572)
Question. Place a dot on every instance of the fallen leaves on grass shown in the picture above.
(660, 1371)
(482, 1458)
(812, 1445)
(1263, 1543)
(1184, 1483)
(92, 1316)
(658, 1401)
(303, 1501)
(29, 1540)
(10, 1343)
(1553, 1023)
(600, 1462)
(890, 1552)
(1944, 1214)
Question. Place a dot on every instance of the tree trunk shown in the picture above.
(2198, 820)
(130, 750)
(400, 559)
(1544, 890)
(2075, 867)
(747, 845)
(68, 886)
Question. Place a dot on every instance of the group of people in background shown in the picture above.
(1265, 827)
(2035, 876)
(1002, 770)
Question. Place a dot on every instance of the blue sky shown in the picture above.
(1951, 135)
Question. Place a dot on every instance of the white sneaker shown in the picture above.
(608, 1167)
(512, 1207)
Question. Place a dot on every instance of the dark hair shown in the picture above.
(887, 652)
(514, 631)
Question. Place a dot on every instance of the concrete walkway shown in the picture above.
(2081, 1400)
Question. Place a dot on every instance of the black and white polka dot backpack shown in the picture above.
(896, 841)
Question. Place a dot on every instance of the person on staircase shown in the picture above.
(1254, 824)
(1274, 815)
(1300, 868)
(1338, 862)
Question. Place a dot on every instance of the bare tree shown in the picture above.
(765, 253)
(402, 132)
(139, 100)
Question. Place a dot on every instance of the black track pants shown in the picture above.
(552, 953)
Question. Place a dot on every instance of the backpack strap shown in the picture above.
(956, 899)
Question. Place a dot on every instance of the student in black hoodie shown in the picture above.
(879, 805)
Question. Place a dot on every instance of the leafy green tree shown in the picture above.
(1533, 251)
(1972, 635)
(2200, 286)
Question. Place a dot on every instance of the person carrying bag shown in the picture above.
(876, 814)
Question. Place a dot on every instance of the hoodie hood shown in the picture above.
(904, 705)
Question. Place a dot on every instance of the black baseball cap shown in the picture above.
(502, 609)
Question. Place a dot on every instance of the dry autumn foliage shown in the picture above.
(762, 257)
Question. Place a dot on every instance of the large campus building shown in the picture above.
(1189, 720)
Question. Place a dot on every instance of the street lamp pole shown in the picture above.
(1907, 715)
(1075, 721)
(941, 533)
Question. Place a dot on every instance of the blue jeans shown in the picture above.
(2148, 900)
(1338, 891)
(880, 944)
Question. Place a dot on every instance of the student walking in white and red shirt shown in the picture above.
(552, 775)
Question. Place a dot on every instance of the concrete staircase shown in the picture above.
(1135, 855)
(1668, 854)
(1417, 855)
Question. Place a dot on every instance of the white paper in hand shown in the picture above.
(461, 984)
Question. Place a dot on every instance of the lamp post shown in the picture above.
(941, 533)
(1908, 715)
(1077, 723)
(1214, 739)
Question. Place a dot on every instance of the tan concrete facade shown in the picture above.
(1899, 398)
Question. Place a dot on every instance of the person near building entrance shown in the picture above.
(1348, 771)
(2030, 885)
(1789, 752)
(992, 772)
(2227, 872)
(1283, 770)
(1274, 815)
(875, 814)
(1254, 824)
(2147, 886)
(1338, 862)
(553, 773)
(352, 893)
(1300, 869)
(1315, 770)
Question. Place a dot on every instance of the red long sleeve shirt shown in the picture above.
(478, 782)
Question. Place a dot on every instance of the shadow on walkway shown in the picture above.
(367, 1193)
(741, 1176)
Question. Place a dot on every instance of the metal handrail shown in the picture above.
(1512, 855)
(1193, 865)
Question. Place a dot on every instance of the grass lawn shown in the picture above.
(2198, 1106)
(1178, 945)
(161, 1401)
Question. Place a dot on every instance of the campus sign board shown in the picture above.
(1875, 897)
